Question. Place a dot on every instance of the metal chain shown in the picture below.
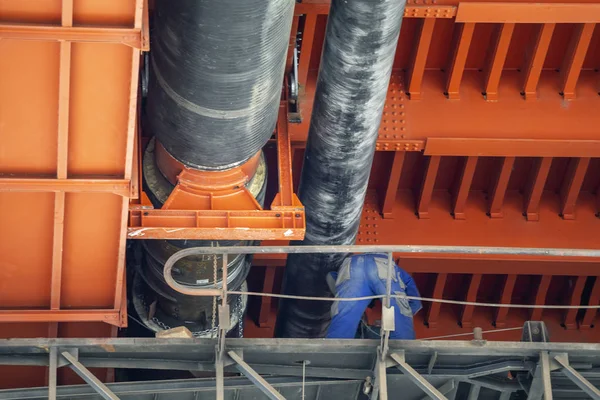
(240, 314)
(214, 305)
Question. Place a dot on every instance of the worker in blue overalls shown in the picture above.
(365, 275)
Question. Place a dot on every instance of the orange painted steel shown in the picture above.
(65, 168)
(532, 13)
(74, 185)
(486, 109)
(68, 108)
(211, 205)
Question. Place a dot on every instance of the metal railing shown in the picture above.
(383, 355)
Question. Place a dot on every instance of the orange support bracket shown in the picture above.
(498, 190)
(507, 291)
(540, 297)
(204, 206)
(572, 185)
(434, 309)
(536, 187)
(463, 37)
(419, 58)
(570, 319)
(461, 193)
(497, 57)
(392, 187)
(264, 316)
(588, 318)
(433, 164)
(536, 60)
(467, 310)
(573, 61)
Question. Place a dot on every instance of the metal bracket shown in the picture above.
(541, 386)
(258, 380)
(576, 377)
(417, 378)
(88, 377)
(387, 319)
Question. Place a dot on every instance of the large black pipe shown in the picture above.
(356, 65)
(216, 76)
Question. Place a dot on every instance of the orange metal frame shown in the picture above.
(72, 176)
(216, 205)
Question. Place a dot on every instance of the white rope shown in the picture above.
(471, 333)
(428, 299)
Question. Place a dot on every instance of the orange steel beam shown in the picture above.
(117, 186)
(140, 21)
(570, 320)
(434, 309)
(410, 11)
(467, 310)
(496, 61)
(216, 225)
(540, 297)
(511, 147)
(530, 13)
(391, 189)
(462, 193)
(419, 58)
(285, 196)
(431, 170)
(505, 298)
(308, 35)
(590, 313)
(128, 36)
(537, 59)
(109, 316)
(307, 7)
(536, 187)
(463, 36)
(573, 61)
(572, 185)
(499, 187)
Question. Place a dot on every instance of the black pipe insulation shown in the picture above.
(356, 65)
(216, 75)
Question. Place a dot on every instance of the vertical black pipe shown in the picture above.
(356, 65)
(215, 82)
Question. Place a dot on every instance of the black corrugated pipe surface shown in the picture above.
(217, 71)
(356, 65)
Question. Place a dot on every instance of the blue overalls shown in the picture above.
(365, 275)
